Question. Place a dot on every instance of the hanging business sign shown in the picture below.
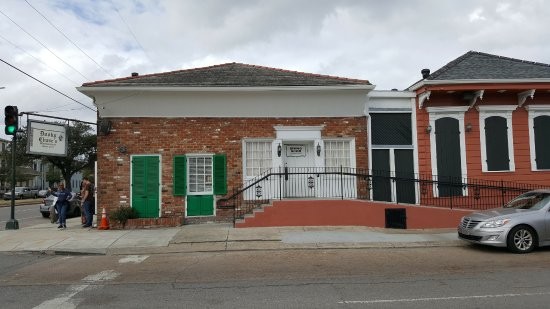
(45, 138)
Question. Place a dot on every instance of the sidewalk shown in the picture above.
(45, 238)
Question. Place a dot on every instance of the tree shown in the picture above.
(81, 151)
(53, 175)
(21, 160)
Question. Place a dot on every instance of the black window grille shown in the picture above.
(391, 128)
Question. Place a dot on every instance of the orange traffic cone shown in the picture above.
(104, 225)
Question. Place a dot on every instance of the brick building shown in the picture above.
(178, 141)
(175, 145)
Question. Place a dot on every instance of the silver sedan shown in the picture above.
(521, 225)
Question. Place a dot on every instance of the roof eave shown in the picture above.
(94, 89)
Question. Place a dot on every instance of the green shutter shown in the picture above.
(220, 174)
(145, 186)
(200, 205)
(180, 175)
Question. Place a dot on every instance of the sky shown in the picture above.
(50, 47)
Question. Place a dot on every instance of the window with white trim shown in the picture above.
(440, 120)
(496, 138)
(337, 153)
(257, 157)
(200, 174)
(539, 139)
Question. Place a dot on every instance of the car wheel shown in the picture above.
(45, 214)
(522, 239)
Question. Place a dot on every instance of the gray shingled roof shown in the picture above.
(228, 75)
(475, 65)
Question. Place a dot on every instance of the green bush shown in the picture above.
(122, 214)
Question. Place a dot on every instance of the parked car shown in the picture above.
(74, 206)
(43, 193)
(521, 225)
(21, 193)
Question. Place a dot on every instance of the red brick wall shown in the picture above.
(175, 136)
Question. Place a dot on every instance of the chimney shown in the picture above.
(135, 74)
(425, 73)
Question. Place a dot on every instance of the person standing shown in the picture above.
(62, 204)
(87, 195)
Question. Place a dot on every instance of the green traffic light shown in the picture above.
(10, 129)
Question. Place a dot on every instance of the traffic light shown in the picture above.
(11, 121)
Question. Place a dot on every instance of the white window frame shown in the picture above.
(457, 112)
(351, 142)
(504, 111)
(533, 112)
(244, 147)
(398, 108)
(195, 156)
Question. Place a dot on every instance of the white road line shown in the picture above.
(136, 259)
(105, 275)
(66, 301)
(405, 300)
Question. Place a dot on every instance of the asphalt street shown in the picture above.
(26, 215)
(435, 277)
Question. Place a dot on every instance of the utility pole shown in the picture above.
(12, 126)
(12, 223)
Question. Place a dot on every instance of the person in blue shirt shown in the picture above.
(62, 204)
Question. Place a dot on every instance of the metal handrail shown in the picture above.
(350, 183)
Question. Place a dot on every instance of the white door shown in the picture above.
(299, 159)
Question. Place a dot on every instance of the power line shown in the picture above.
(52, 88)
(39, 42)
(68, 39)
(131, 32)
(43, 63)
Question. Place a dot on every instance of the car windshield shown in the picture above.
(531, 200)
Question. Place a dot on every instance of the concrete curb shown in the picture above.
(46, 239)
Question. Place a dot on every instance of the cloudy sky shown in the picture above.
(64, 43)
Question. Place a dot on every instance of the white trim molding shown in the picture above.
(522, 96)
(423, 97)
(533, 112)
(298, 133)
(504, 111)
(456, 112)
(477, 95)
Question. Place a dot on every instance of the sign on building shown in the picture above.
(45, 138)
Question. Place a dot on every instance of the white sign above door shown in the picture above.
(295, 150)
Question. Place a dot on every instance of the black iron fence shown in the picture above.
(384, 186)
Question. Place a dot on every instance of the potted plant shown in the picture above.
(122, 214)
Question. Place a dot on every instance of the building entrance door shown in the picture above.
(298, 160)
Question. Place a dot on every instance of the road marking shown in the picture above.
(410, 300)
(66, 301)
(136, 259)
